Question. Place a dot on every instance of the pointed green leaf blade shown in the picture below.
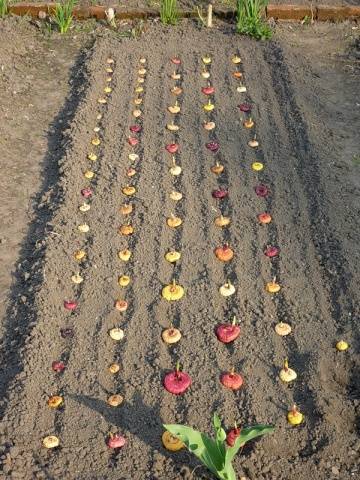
(246, 435)
(200, 445)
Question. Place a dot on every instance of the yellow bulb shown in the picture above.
(342, 346)
(257, 166)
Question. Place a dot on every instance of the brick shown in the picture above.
(289, 12)
(31, 9)
(325, 12)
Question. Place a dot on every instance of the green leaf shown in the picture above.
(246, 435)
(200, 445)
(220, 437)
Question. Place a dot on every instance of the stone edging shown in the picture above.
(278, 12)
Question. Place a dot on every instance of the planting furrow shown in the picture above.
(46, 338)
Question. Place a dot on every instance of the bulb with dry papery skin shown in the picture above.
(208, 107)
(114, 368)
(253, 143)
(287, 374)
(237, 74)
(172, 256)
(96, 141)
(231, 380)
(176, 196)
(249, 123)
(51, 441)
(83, 228)
(124, 255)
(273, 287)
(175, 75)
(142, 71)
(217, 168)
(224, 253)
(115, 441)
(131, 172)
(138, 101)
(227, 289)
(264, 218)
(175, 169)
(109, 70)
(137, 113)
(126, 230)
(171, 443)
(116, 334)
(174, 221)
(142, 60)
(77, 278)
(129, 190)
(209, 125)
(115, 400)
(121, 305)
(80, 255)
(176, 90)
(55, 401)
(236, 59)
(227, 332)
(126, 209)
(133, 157)
(241, 88)
(85, 207)
(172, 127)
(294, 416)
(102, 101)
(171, 335)
(124, 280)
(177, 382)
(174, 108)
(173, 292)
(282, 329)
(89, 174)
(342, 346)
(175, 60)
(222, 221)
(205, 74)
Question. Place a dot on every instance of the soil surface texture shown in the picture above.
(303, 89)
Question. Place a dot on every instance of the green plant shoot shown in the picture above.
(63, 15)
(168, 12)
(215, 454)
(249, 19)
(3, 8)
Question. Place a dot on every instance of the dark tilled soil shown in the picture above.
(304, 106)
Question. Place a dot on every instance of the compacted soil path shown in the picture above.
(314, 221)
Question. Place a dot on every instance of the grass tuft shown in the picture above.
(3, 8)
(63, 16)
(249, 19)
(168, 12)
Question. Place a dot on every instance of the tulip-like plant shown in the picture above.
(216, 455)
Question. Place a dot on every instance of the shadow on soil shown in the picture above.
(21, 315)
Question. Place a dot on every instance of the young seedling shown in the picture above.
(249, 19)
(3, 8)
(63, 15)
(168, 12)
(216, 454)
